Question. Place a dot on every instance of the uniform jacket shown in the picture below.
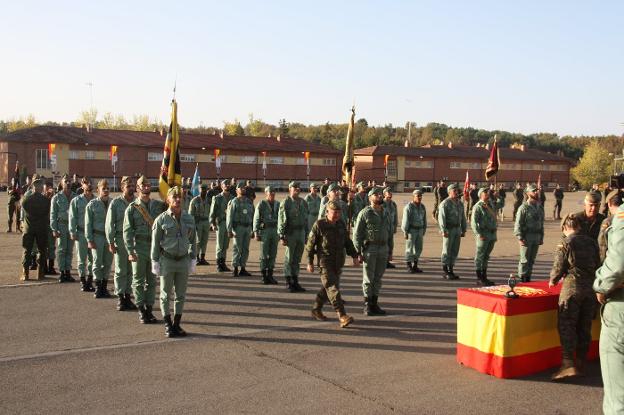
(240, 212)
(77, 215)
(451, 215)
(610, 276)
(136, 231)
(414, 218)
(95, 218)
(293, 215)
(314, 204)
(176, 238)
(218, 208)
(36, 213)
(265, 217)
(530, 222)
(373, 227)
(59, 212)
(576, 260)
(329, 241)
(115, 219)
(483, 221)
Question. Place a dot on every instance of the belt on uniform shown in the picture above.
(415, 227)
(173, 257)
(235, 224)
(98, 232)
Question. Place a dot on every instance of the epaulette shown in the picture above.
(621, 215)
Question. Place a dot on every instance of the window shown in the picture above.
(329, 162)
(42, 161)
(392, 167)
(187, 158)
(154, 156)
(276, 160)
(455, 165)
(300, 161)
(249, 159)
(74, 155)
(90, 155)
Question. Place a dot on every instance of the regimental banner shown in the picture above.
(52, 155)
(509, 338)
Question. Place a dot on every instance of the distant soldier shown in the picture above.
(473, 198)
(292, 228)
(542, 195)
(265, 229)
(77, 233)
(518, 195)
(217, 221)
(36, 214)
(48, 192)
(324, 187)
(239, 220)
(590, 219)
(484, 226)
(441, 193)
(360, 201)
(576, 261)
(200, 211)
(452, 223)
(173, 259)
(344, 191)
(314, 204)
(414, 227)
(137, 234)
(373, 240)
(529, 229)
(95, 232)
(502, 196)
(333, 194)
(59, 223)
(187, 194)
(613, 201)
(250, 192)
(391, 207)
(558, 196)
(604, 209)
(13, 208)
(117, 246)
(329, 240)
(76, 185)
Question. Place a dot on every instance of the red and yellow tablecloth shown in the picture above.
(509, 338)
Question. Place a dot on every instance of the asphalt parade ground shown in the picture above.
(255, 349)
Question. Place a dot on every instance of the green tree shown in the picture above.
(233, 128)
(594, 167)
(283, 127)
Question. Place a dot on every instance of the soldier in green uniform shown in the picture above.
(613, 202)
(59, 223)
(329, 239)
(314, 204)
(249, 191)
(77, 234)
(452, 223)
(117, 246)
(484, 225)
(217, 220)
(173, 259)
(576, 261)
(36, 214)
(95, 232)
(333, 195)
(360, 201)
(48, 192)
(558, 195)
(239, 219)
(590, 217)
(188, 195)
(13, 208)
(473, 198)
(518, 195)
(373, 240)
(414, 227)
(609, 288)
(391, 207)
(265, 229)
(529, 229)
(200, 211)
(292, 228)
(137, 234)
(324, 187)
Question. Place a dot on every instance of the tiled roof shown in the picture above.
(459, 151)
(75, 135)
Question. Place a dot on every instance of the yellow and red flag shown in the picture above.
(170, 170)
(493, 161)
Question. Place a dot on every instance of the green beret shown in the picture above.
(374, 191)
(294, 184)
(204, 186)
(333, 205)
(452, 186)
(269, 189)
(174, 191)
(417, 192)
(142, 180)
(531, 188)
(593, 197)
(332, 187)
(240, 185)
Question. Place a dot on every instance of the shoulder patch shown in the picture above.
(620, 215)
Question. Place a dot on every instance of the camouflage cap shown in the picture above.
(269, 189)
(332, 205)
(375, 191)
(417, 192)
(531, 188)
(143, 180)
(387, 189)
(333, 187)
(593, 197)
(294, 184)
(174, 191)
(452, 186)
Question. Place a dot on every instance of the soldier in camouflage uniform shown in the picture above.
(265, 229)
(137, 234)
(590, 217)
(373, 240)
(314, 204)
(59, 223)
(117, 246)
(77, 233)
(200, 211)
(414, 227)
(13, 208)
(36, 215)
(391, 207)
(292, 228)
(329, 239)
(173, 259)
(440, 194)
(95, 233)
(529, 229)
(576, 261)
(239, 219)
(613, 201)
(452, 223)
(484, 225)
(558, 195)
(217, 220)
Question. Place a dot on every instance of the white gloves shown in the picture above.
(156, 268)
(192, 266)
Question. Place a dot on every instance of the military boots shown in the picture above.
(169, 331)
(235, 273)
(290, 286)
(343, 318)
(416, 269)
(298, 288)
(51, 270)
(368, 311)
(129, 304)
(317, 309)
(244, 273)
(265, 277)
(451, 274)
(89, 284)
(446, 274)
(179, 331)
(377, 311)
(410, 268)
(121, 303)
(270, 276)
(482, 279)
(202, 260)
(221, 265)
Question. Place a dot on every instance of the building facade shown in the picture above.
(264, 160)
(408, 168)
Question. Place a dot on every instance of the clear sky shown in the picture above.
(524, 66)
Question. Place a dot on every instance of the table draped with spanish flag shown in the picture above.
(507, 337)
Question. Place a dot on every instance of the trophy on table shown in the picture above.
(512, 282)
